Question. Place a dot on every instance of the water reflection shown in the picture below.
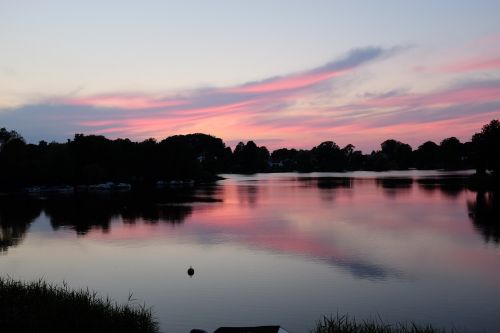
(85, 214)
(406, 246)
(484, 212)
(248, 195)
(395, 186)
(84, 211)
(325, 182)
(328, 186)
(449, 186)
(364, 270)
(16, 214)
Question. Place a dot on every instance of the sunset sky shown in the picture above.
(281, 73)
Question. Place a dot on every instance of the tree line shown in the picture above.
(92, 159)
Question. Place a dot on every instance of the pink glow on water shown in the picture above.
(308, 226)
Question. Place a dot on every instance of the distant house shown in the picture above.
(276, 164)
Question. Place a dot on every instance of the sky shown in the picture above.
(281, 73)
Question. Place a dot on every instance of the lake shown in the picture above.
(273, 249)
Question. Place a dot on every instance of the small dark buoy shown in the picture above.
(190, 271)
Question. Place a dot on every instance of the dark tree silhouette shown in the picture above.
(328, 157)
(398, 154)
(486, 146)
(305, 161)
(284, 159)
(92, 159)
(451, 153)
(6, 136)
(427, 156)
(250, 158)
(14, 161)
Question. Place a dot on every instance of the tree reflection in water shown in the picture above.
(86, 211)
(394, 187)
(16, 215)
(450, 186)
(330, 186)
(90, 211)
(484, 213)
(83, 213)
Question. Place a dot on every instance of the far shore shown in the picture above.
(472, 180)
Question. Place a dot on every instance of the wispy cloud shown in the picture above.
(314, 76)
(472, 65)
(123, 101)
(469, 92)
(273, 111)
(221, 111)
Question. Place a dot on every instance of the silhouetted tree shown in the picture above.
(177, 158)
(210, 151)
(451, 153)
(91, 159)
(427, 156)
(486, 147)
(354, 159)
(14, 161)
(250, 158)
(328, 157)
(284, 159)
(398, 154)
(6, 136)
(55, 164)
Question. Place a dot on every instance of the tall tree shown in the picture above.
(427, 156)
(451, 153)
(486, 146)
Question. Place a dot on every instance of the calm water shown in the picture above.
(274, 249)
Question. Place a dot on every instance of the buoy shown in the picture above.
(190, 271)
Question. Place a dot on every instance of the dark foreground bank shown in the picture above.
(42, 307)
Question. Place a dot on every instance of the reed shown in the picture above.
(39, 306)
(347, 324)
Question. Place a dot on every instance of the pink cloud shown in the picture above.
(467, 94)
(288, 83)
(276, 111)
(408, 117)
(472, 65)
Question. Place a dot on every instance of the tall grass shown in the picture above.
(346, 324)
(42, 307)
